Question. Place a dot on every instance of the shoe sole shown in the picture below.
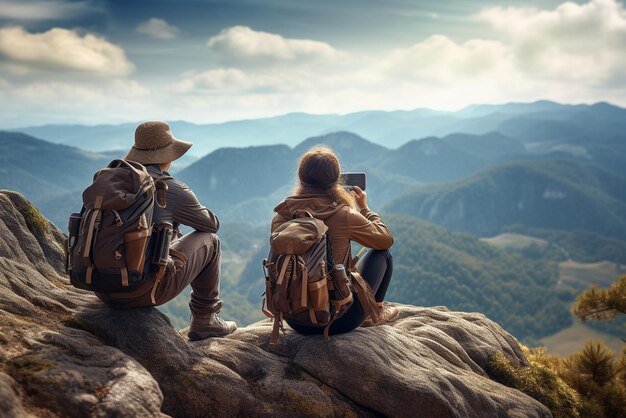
(195, 336)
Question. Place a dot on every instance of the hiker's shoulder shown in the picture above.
(174, 182)
(166, 177)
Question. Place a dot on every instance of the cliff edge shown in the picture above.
(63, 353)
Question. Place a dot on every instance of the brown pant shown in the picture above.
(201, 270)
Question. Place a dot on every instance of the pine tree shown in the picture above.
(595, 362)
(594, 372)
(602, 304)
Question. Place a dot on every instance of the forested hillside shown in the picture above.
(433, 266)
(549, 194)
(53, 176)
(583, 246)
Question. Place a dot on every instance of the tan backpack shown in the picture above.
(302, 282)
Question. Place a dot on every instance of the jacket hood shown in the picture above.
(319, 205)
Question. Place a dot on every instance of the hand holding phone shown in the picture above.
(355, 182)
(353, 179)
(360, 197)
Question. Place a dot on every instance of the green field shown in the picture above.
(511, 241)
(578, 276)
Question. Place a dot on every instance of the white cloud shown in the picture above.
(233, 80)
(576, 42)
(244, 46)
(158, 28)
(574, 52)
(440, 59)
(218, 80)
(570, 53)
(63, 49)
(40, 102)
(28, 10)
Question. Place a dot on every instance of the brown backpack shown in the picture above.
(108, 240)
(302, 282)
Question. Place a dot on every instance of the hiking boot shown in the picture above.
(209, 326)
(388, 314)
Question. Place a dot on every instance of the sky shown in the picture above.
(203, 61)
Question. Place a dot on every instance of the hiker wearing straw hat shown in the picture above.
(194, 258)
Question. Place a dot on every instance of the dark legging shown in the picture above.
(376, 267)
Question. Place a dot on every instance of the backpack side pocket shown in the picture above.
(135, 244)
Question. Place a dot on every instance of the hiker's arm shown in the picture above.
(277, 220)
(187, 210)
(366, 228)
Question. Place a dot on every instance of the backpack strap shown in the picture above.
(92, 225)
(264, 307)
(161, 187)
(278, 325)
(366, 297)
(305, 282)
(124, 274)
(89, 274)
(283, 270)
(158, 277)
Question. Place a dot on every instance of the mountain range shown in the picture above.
(541, 121)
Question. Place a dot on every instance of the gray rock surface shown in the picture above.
(63, 353)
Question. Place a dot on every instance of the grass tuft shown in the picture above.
(538, 381)
(35, 221)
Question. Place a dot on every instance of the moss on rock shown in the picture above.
(538, 381)
(35, 221)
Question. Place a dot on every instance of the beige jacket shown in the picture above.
(344, 224)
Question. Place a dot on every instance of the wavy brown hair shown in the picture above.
(319, 172)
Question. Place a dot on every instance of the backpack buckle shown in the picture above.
(118, 218)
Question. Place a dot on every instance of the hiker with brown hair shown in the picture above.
(194, 258)
(320, 195)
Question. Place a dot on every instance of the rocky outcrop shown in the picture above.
(64, 353)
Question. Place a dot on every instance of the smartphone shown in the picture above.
(353, 179)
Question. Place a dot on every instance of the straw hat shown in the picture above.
(155, 144)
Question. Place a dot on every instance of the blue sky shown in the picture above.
(94, 61)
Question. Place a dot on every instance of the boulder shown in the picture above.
(63, 352)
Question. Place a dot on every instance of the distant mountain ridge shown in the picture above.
(388, 128)
(246, 183)
(262, 176)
